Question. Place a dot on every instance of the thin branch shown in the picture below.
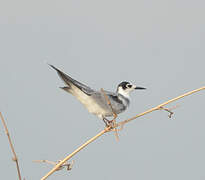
(109, 103)
(160, 106)
(169, 111)
(45, 161)
(76, 151)
(108, 129)
(11, 145)
(113, 112)
(67, 165)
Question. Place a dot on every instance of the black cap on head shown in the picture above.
(126, 85)
(123, 84)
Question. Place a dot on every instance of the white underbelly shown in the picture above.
(89, 103)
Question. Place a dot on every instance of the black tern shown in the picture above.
(95, 101)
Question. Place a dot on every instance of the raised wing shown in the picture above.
(68, 80)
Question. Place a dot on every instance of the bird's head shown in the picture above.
(124, 88)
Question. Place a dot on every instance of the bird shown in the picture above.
(95, 101)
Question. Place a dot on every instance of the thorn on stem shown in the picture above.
(168, 110)
(70, 166)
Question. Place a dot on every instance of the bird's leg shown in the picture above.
(108, 122)
(105, 121)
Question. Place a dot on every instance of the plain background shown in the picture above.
(158, 44)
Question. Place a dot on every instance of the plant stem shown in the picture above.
(11, 145)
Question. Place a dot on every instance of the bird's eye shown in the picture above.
(129, 85)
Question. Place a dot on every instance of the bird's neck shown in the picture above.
(125, 100)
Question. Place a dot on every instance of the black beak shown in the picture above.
(140, 88)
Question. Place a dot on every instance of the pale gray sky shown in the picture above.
(157, 44)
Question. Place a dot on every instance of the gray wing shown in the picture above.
(67, 79)
(117, 104)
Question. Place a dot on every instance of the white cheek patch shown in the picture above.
(124, 92)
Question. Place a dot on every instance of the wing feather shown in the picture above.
(68, 80)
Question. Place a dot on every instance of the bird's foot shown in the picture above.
(108, 123)
(111, 126)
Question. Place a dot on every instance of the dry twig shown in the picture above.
(108, 129)
(168, 110)
(159, 107)
(11, 145)
(67, 165)
(113, 112)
